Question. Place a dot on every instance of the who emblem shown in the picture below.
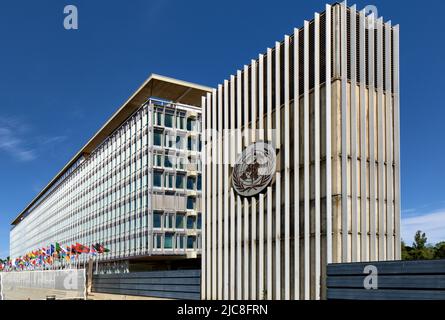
(254, 169)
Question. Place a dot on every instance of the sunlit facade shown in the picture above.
(327, 99)
(137, 193)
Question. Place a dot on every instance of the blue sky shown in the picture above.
(58, 87)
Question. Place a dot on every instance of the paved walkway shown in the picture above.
(39, 294)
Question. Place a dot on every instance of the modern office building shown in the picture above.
(135, 187)
(321, 109)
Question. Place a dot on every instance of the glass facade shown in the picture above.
(129, 194)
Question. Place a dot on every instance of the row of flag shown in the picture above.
(46, 257)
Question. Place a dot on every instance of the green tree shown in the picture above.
(439, 250)
(406, 252)
(421, 250)
(419, 240)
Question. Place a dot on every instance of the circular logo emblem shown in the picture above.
(254, 169)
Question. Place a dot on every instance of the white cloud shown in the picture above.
(13, 144)
(433, 224)
(17, 140)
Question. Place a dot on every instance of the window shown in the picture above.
(190, 143)
(181, 163)
(168, 180)
(169, 119)
(190, 124)
(180, 142)
(190, 183)
(190, 222)
(168, 221)
(157, 179)
(157, 138)
(180, 221)
(191, 242)
(198, 222)
(191, 203)
(169, 141)
(158, 117)
(180, 178)
(168, 161)
(199, 183)
(168, 241)
(157, 241)
(180, 121)
(157, 220)
(181, 242)
(157, 160)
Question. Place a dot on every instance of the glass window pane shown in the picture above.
(157, 139)
(180, 121)
(169, 223)
(157, 179)
(191, 203)
(169, 180)
(180, 221)
(180, 181)
(157, 220)
(199, 183)
(169, 120)
(181, 163)
(179, 142)
(190, 222)
(190, 242)
(168, 161)
(198, 222)
(190, 124)
(170, 141)
(157, 161)
(168, 241)
(158, 117)
(190, 183)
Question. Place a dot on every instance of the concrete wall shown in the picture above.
(342, 204)
(175, 284)
(395, 280)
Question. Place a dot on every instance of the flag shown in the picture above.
(93, 251)
(80, 248)
(102, 249)
(50, 250)
(62, 249)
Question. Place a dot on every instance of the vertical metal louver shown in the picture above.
(320, 98)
